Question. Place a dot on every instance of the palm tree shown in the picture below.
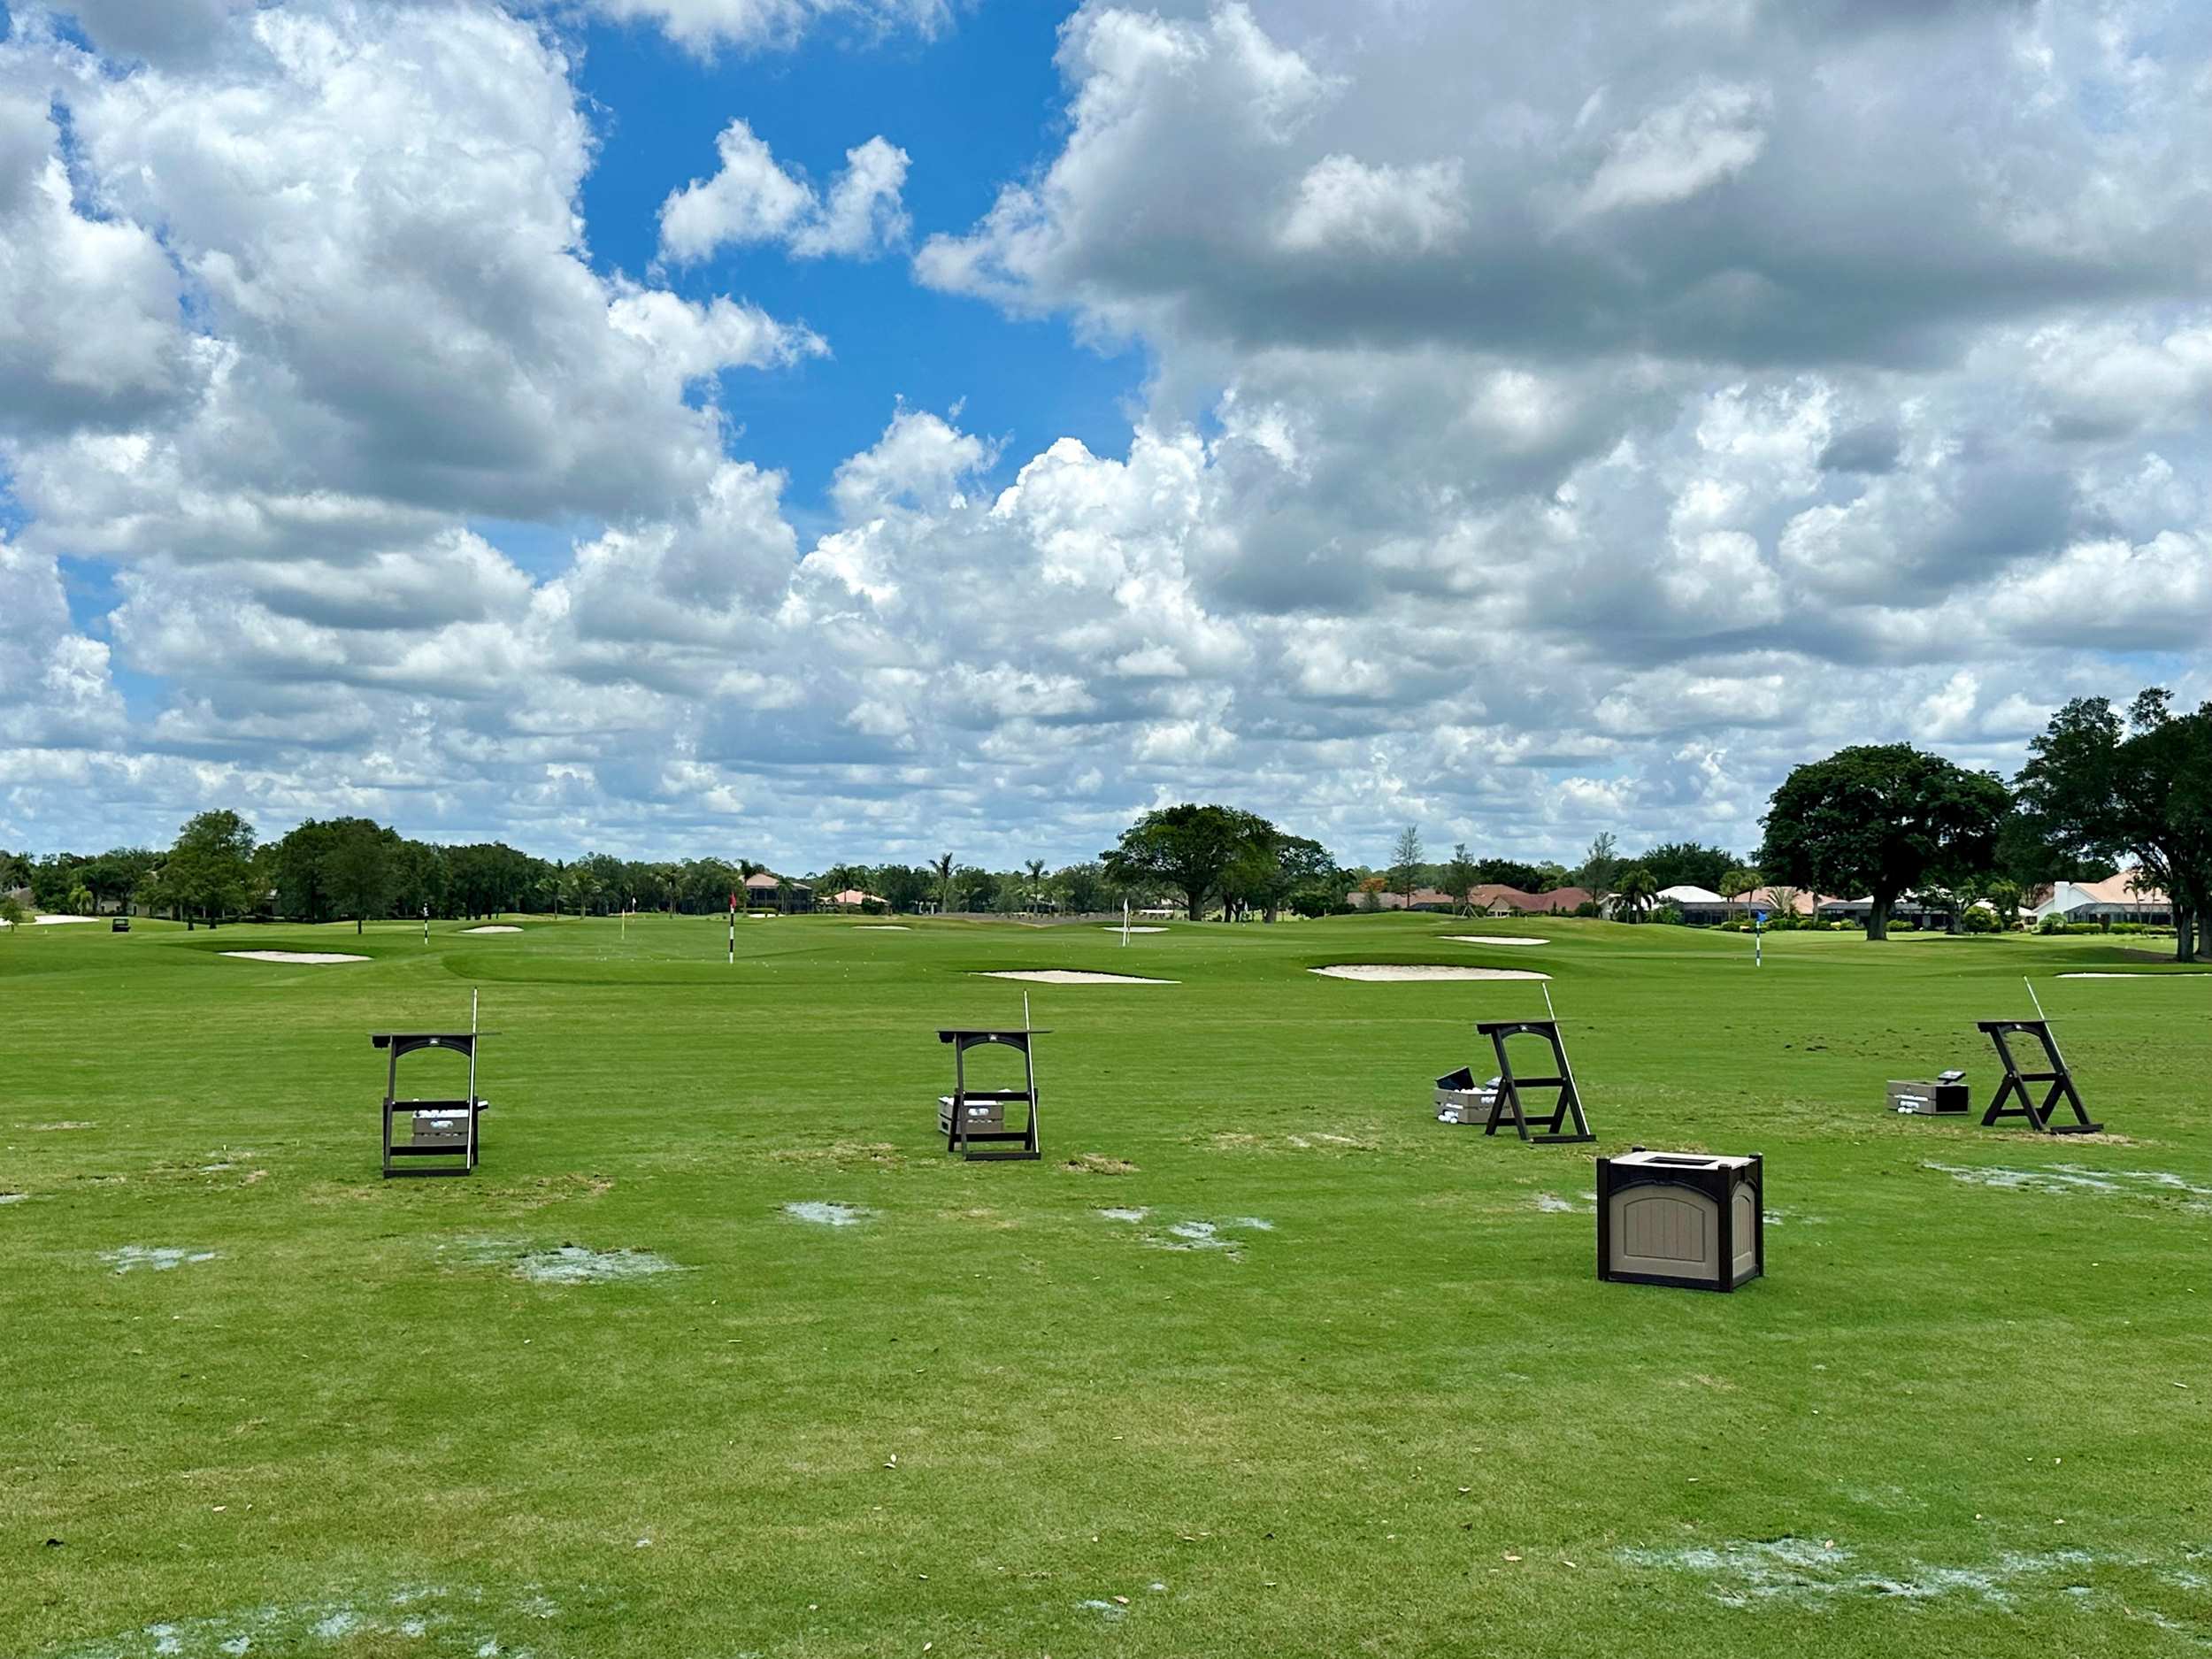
(1036, 869)
(1633, 890)
(943, 869)
(582, 887)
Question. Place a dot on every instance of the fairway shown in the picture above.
(717, 1353)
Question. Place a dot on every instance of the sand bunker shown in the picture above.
(63, 921)
(12, 1198)
(2183, 974)
(1134, 930)
(1072, 976)
(1491, 939)
(882, 927)
(313, 958)
(1387, 973)
(496, 927)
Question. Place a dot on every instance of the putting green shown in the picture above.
(717, 1353)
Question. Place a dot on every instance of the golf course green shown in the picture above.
(717, 1353)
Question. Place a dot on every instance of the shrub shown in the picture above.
(1668, 914)
(1982, 922)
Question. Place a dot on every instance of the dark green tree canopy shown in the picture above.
(2102, 789)
(1689, 864)
(210, 870)
(1187, 849)
(1882, 820)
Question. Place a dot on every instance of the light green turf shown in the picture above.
(1408, 1420)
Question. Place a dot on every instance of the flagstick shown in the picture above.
(2046, 1018)
(1566, 1064)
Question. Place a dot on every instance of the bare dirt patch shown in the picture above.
(1303, 1141)
(2067, 1179)
(158, 1258)
(828, 1215)
(881, 1154)
(569, 1263)
(1807, 1572)
(1099, 1164)
(305, 958)
(1396, 973)
(417, 1618)
(1070, 976)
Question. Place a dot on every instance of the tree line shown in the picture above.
(2102, 787)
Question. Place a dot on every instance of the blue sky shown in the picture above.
(974, 105)
(1524, 421)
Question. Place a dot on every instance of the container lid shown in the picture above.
(1684, 1161)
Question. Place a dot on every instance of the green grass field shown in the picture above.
(1967, 1411)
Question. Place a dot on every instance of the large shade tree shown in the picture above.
(208, 872)
(1276, 871)
(2102, 789)
(362, 869)
(1187, 849)
(1882, 820)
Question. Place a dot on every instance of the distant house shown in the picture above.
(767, 891)
(1700, 907)
(2115, 899)
(1767, 900)
(1491, 898)
(1906, 910)
(852, 899)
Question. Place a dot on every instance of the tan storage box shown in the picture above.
(1692, 1219)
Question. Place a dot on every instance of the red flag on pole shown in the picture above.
(733, 901)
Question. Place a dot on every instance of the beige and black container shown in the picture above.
(1685, 1219)
(1943, 1096)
